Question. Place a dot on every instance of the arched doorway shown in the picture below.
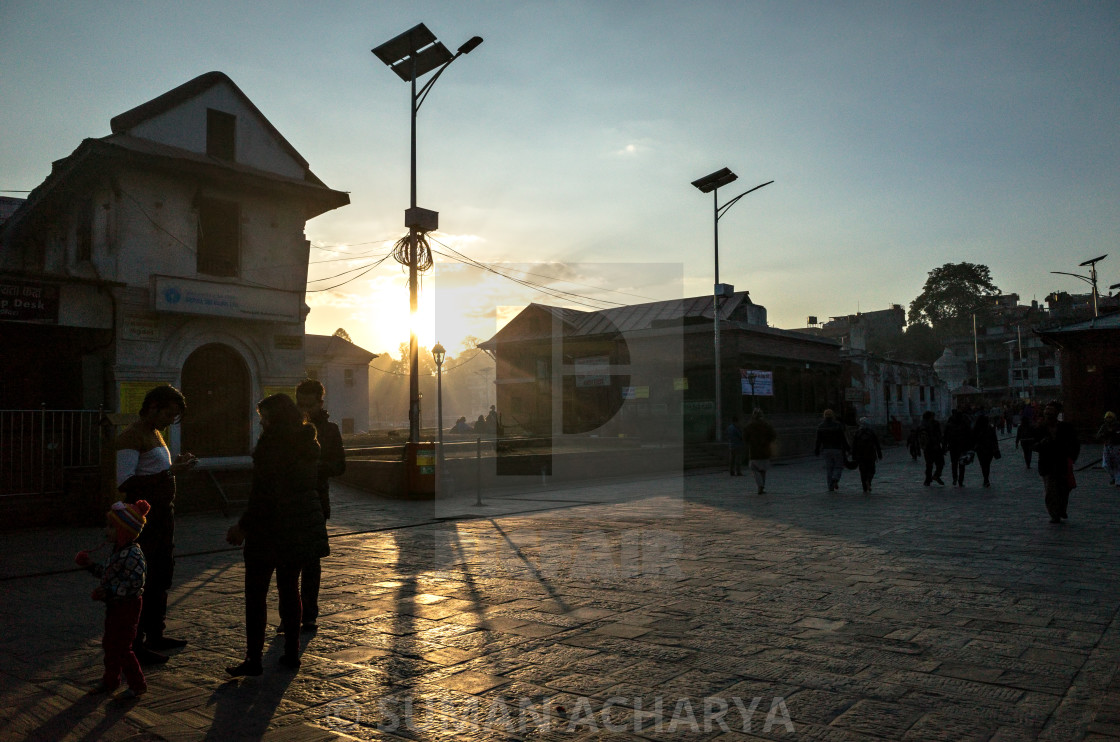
(216, 385)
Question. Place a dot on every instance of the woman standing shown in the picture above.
(282, 528)
(986, 445)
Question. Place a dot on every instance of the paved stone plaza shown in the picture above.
(682, 607)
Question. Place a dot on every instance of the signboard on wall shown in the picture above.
(757, 383)
(28, 301)
(192, 296)
(593, 371)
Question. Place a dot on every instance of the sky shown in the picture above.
(899, 135)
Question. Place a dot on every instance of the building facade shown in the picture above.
(648, 370)
(343, 369)
(169, 252)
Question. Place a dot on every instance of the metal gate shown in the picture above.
(37, 447)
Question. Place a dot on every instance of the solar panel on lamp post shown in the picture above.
(411, 55)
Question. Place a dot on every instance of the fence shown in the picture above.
(37, 447)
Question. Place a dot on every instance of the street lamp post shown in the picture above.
(1090, 279)
(711, 184)
(411, 55)
(439, 355)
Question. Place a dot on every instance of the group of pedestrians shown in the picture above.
(1052, 439)
(863, 452)
(967, 440)
(754, 442)
(283, 531)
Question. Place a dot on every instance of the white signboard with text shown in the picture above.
(757, 383)
(191, 296)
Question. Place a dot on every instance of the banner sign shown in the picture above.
(191, 296)
(28, 301)
(757, 383)
(593, 371)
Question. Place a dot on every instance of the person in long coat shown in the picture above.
(283, 527)
(866, 451)
(986, 444)
(1056, 444)
(958, 440)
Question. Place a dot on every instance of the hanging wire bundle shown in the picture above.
(423, 252)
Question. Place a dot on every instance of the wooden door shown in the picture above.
(216, 385)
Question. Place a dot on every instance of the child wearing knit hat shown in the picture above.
(122, 587)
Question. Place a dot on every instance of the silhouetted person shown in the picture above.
(736, 447)
(760, 435)
(1056, 444)
(985, 442)
(933, 447)
(332, 463)
(866, 451)
(282, 528)
(958, 441)
(833, 442)
(145, 472)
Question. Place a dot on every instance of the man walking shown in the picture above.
(760, 437)
(832, 440)
(332, 462)
(933, 448)
(1055, 442)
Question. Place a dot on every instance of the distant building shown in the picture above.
(343, 369)
(170, 252)
(648, 370)
(863, 330)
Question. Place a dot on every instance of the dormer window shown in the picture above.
(221, 139)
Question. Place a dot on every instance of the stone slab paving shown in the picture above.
(668, 608)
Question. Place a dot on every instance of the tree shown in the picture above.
(951, 295)
(341, 333)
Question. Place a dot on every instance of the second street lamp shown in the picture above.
(1090, 279)
(439, 354)
(412, 54)
(711, 183)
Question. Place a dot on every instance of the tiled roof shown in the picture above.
(334, 348)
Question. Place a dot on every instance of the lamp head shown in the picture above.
(438, 354)
(470, 45)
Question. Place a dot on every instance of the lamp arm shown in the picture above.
(1075, 275)
(723, 209)
(423, 92)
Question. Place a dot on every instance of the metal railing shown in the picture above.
(38, 446)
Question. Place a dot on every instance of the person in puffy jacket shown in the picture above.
(282, 529)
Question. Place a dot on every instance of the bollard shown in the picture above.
(478, 473)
